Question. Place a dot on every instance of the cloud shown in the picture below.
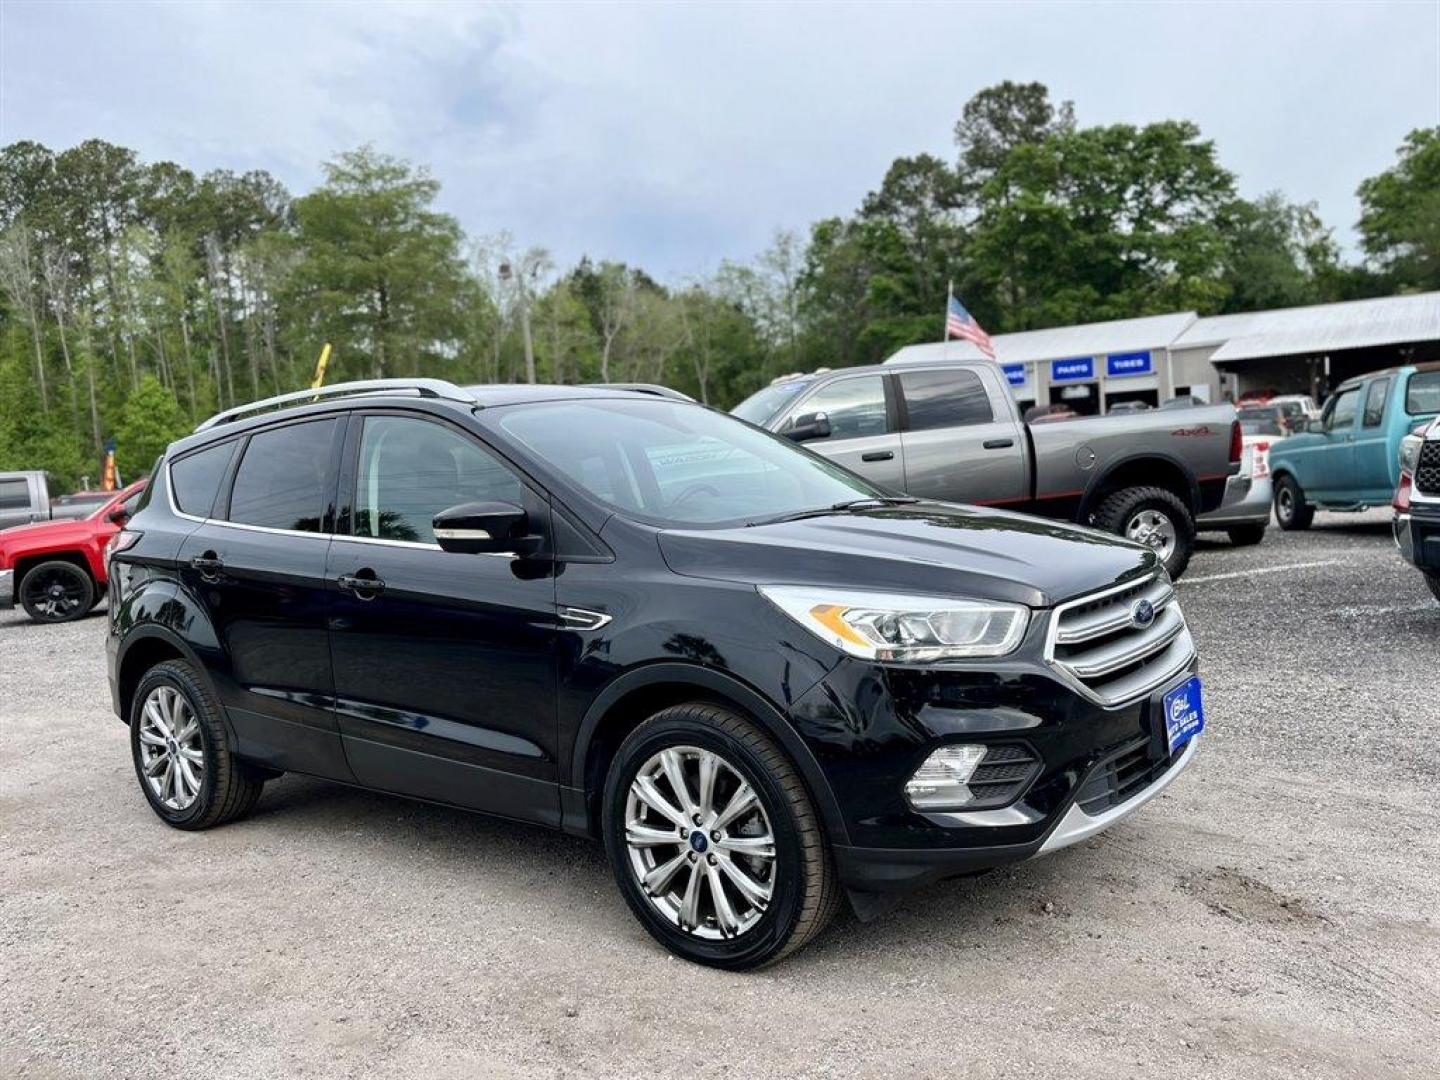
(674, 136)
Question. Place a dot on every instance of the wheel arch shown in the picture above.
(638, 694)
(142, 649)
(26, 563)
(1149, 469)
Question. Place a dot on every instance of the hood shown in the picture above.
(46, 530)
(934, 548)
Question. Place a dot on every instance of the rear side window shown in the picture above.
(1375, 402)
(195, 479)
(281, 482)
(1423, 394)
(14, 494)
(942, 399)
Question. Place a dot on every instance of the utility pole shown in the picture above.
(507, 272)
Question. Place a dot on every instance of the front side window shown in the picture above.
(281, 480)
(855, 407)
(1341, 414)
(1375, 397)
(412, 469)
(1422, 395)
(195, 479)
(678, 464)
(943, 399)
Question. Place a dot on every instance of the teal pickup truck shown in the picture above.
(1348, 459)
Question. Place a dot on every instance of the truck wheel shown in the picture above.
(182, 757)
(1153, 517)
(1433, 580)
(1246, 535)
(714, 841)
(56, 591)
(1291, 510)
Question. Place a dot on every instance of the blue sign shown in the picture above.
(1072, 370)
(1015, 374)
(1119, 365)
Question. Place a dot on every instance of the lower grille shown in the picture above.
(1120, 644)
(1002, 776)
(1121, 778)
(1427, 469)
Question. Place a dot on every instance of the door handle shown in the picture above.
(209, 566)
(365, 587)
(999, 444)
(878, 455)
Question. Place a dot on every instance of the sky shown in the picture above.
(675, 136)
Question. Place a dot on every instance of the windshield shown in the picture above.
(1260, 427)
(676, 464)
(761, 407)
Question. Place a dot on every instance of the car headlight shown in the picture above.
(1410, 452)
(898, 627)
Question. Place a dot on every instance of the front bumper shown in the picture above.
(7, 589)
(1245, 504)
(1417, 535)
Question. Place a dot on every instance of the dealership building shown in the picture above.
(1303, 350)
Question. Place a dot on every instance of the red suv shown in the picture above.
(58, 567)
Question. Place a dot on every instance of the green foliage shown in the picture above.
(150, 420)
(1400, 214)
(137, 298)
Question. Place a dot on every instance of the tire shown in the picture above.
(1127, 512)
(803, 890)
(1291, 510)
(1433, 580)
(1246, 535)
(227, 788)
(56, 592)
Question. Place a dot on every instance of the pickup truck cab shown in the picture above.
(1349, 458)
(951, 430)
(24, 497)
(56, 569)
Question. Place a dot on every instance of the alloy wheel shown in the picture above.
(53, 593)
(700, 843)
(1285, 503)
(1155, 530)
(172, 757)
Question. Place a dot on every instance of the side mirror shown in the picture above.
(483, 528)
(810, 426)
(119, 515)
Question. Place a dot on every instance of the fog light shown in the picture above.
(940, 782)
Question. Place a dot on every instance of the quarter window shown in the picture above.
(1375, 402)
(196, 478)
(411, 469)
(855, 407)
(281, 482)
(942, 399)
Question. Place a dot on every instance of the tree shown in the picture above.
(1278, 254)
(150, 421)
(1002, 117)
(1400, 214)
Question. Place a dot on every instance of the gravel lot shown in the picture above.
(1273, 915)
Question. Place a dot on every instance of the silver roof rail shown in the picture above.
(427, 388)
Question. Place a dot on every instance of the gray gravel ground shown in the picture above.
(1273, 915)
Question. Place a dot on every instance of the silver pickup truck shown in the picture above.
(950, 430)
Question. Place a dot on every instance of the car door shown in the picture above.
(256, 564)
(1372, 453)
(956, 448)
(863, 435)
(445, 663)
(1327, 468)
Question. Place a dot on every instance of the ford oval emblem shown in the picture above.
(1142, 614)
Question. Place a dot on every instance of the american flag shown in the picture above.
(959, 323)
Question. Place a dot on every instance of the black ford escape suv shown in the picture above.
(761, 679)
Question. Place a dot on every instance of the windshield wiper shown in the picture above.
(870, 503)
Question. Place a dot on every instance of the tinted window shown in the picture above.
(678, 464)
(196, 478)
(941, 399)
(1423, 394)
(1375, 402)
(410, 470)
(1343, 408)
(14, 494)
(855, 407)
(281, 480)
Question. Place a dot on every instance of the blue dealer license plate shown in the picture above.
(1184, 714)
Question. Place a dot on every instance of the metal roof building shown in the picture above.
(1093, 366)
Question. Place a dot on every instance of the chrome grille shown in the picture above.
(1096, 645)
(1427, 469)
